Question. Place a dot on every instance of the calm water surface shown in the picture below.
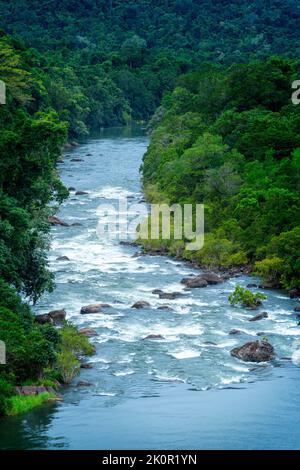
(184, 391)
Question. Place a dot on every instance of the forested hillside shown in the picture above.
(109, 61)
(230, 139)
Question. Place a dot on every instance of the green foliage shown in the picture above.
(101, 63)
(72, 345)
(22, 404)
(235, 149)
(246, 298)
(6, 391)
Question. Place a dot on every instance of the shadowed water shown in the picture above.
(185, 391)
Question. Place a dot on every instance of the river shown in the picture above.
(184, 391)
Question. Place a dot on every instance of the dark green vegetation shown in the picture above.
(230, 139)
(246, 298)
(107, 61)
(31, 140)
(226, 137)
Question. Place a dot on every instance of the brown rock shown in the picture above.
(53, 220)
(58, 316)
(43, 319)
(30, 390)
(294, 293)
(93, 308)
(195, 282)
(259, 316)
(212, 278)
(89, 332)
(254, 351)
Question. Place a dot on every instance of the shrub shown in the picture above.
(246, 298)
(22, 404)
(72, 346)
(270, 269)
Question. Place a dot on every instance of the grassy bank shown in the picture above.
(22, 404)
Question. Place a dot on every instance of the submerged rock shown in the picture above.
(141, 304)
(153, 337)
(297, 309)
(259, 316)
(157, 291)
(254, 351)
(169, 295)
(165, 307)
(83, 383)
(249, 286)
(62, 258)
(235, 332)
(76, 224)
(53, 220)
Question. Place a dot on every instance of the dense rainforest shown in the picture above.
(107, 62)
(229, 138)
(225, 135)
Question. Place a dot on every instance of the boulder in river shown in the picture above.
(254, 351)
(194, 282)
(212, 278)
(43, 319)
(76, 224)
(58, 316)
(93, 308)
(297, 309)
(141, 304)
(154, 337)
(89, 332)
(81, 193)
(53, 220)
(259, 316)
(157, 291)
(251, 285)
(86, 365)
(294, 293)
(62, 258)
(71, 188)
